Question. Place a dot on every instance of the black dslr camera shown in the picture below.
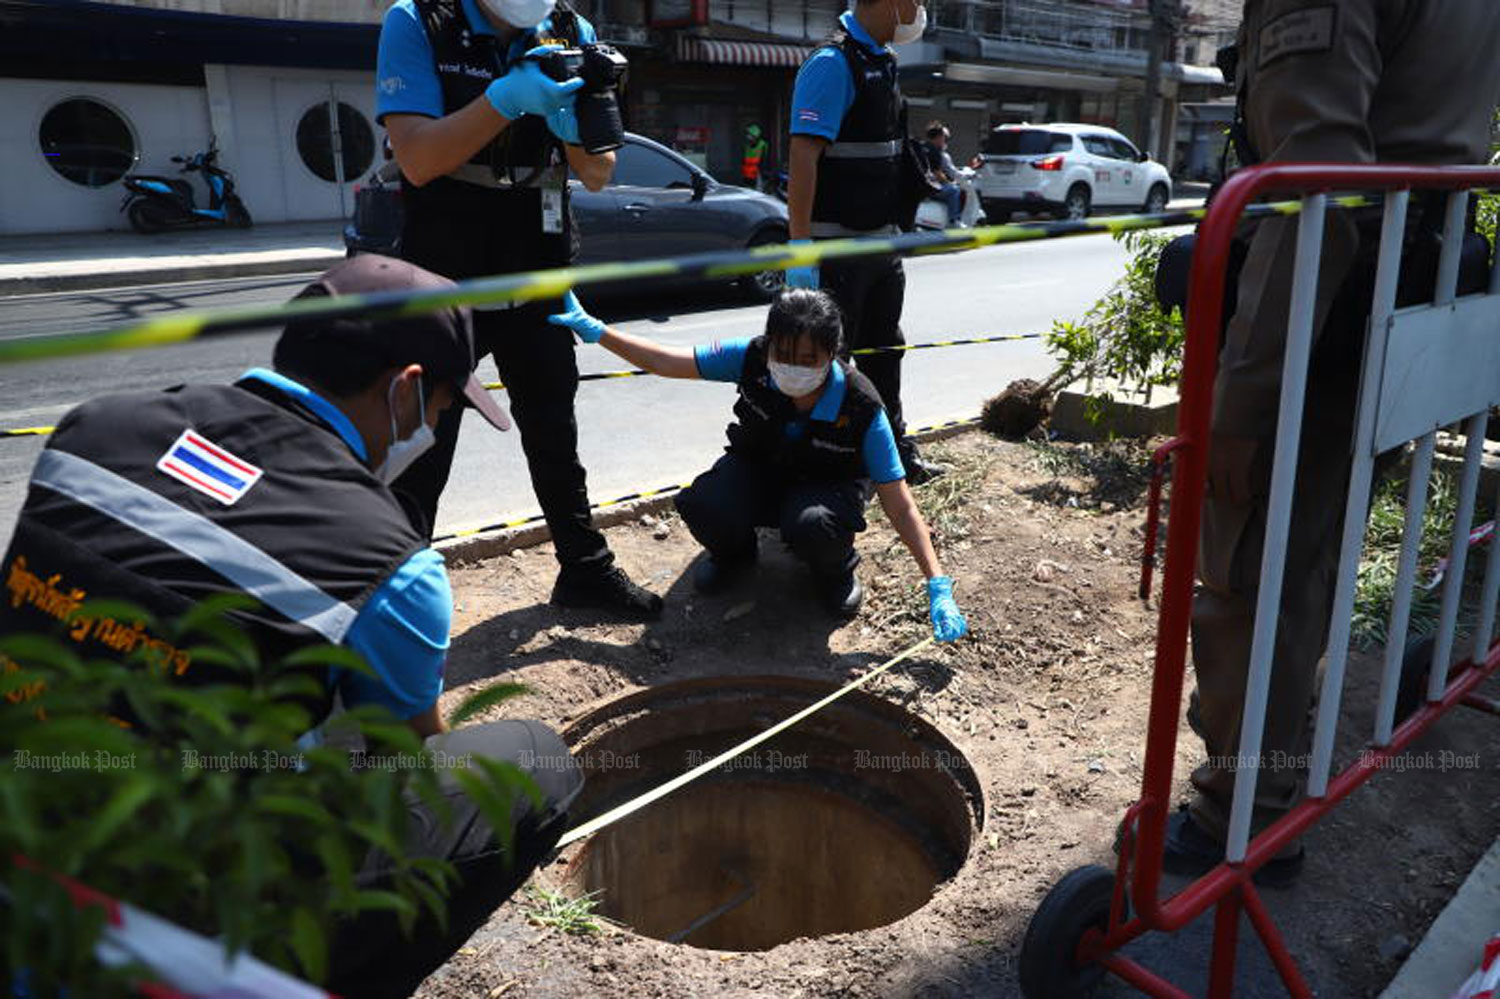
(601, 67)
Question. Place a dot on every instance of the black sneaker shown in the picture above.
(842, 595)
(1191, 852)
(609, 588)
(717, 574)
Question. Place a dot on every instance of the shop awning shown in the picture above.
(730, 53)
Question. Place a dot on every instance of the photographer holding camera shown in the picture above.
(488, 105)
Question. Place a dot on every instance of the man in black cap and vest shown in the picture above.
(485, 141)
(277, 487)
(843, 180)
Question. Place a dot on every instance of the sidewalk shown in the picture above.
(80, 261)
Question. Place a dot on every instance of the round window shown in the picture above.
(87, 142)
(315, 142)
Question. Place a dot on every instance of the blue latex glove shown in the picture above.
(527, 90)
(948, 624)
(588, 328)
(801, 277)
(563, 123)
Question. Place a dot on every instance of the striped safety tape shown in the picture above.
(537, 518)
(534, 285)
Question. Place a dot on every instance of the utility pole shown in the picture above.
(1163, 30)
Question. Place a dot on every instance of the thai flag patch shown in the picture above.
(808, 114)
(198, 462)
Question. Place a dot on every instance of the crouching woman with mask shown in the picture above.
(809, 438)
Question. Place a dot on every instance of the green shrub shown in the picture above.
(216, 819)
(1124, 336)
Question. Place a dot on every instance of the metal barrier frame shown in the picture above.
(1143, 832)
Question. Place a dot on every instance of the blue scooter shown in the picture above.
(156, 203)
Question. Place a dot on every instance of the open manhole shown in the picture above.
(849, 819)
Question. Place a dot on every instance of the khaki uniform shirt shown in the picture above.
(1346, 81)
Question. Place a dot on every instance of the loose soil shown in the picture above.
(1047, 700)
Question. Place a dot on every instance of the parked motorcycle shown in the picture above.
(156, 203)
(933, 213)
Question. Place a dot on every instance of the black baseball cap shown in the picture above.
(440, 340)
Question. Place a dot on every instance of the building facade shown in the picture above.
(90, 91)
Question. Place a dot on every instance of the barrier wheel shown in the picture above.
(1076, 904)
(1416, 664)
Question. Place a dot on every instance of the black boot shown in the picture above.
(918, 469)
(717, 573)
(609, 589)
(842, 594)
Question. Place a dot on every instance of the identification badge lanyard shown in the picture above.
(554, 182)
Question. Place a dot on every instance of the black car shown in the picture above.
(657, 205)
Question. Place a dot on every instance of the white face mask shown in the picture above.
(520, 13)
(401, 453)
(909, 31)
(795, 380)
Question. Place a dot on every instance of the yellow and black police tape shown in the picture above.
(17, 432)
(536, 518)
(535, 285)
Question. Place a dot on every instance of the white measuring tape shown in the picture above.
(655, 794)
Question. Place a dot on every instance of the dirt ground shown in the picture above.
(1047, 699)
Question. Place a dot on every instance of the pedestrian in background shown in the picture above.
(754, 162)
(1362, 81)
(809, 444)
(844, 180)
(485, 141)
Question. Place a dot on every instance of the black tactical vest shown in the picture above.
(463, 230)
(826, 451)
(312, 538)
(858, 182)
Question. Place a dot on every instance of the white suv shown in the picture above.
(1066, 170)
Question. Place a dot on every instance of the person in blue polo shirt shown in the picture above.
(844, 171)
(277, 488)
(809, 438)
(485, 142)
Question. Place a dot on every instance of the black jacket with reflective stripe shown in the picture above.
(311, 539)
(826, 451)
(463, 230)
(863, 192)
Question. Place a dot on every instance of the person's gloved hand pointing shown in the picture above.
(528, 90)
(588, 328)
(948, 624)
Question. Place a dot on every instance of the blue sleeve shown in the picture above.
(722, 360)
(823, 94)
(406, 80)
(402, 631)
(882, 460)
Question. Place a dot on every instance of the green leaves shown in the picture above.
(476, 704)
(208, 813)
(1124, 336)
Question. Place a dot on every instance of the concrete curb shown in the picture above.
(490, 544)
(1451, 950)
(45, 283)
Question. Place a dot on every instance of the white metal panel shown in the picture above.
(1422, 388)
(165, 120)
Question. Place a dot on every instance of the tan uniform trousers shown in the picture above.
(1355, 81)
